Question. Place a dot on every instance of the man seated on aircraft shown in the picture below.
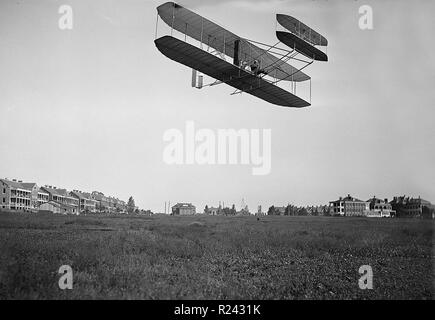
(255, 68)
(244, 64)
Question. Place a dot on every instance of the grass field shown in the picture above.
(206, 257)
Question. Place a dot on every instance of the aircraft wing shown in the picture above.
(301, 46)
(222, 40)
(301, 30)
(219, 69)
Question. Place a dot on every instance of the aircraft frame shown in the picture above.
(215, 45)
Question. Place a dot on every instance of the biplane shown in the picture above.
(246, 65)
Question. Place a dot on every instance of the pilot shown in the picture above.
(255, 68)
(243, 64)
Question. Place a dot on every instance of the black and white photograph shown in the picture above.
(216, 156)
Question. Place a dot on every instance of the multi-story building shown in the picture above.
(120, 205)
(38, 197)
(407, 207)
(103, 202)
(15, 196)
(61, 196)
(28, 196)
(183, 209)
(86, 202)
(380, 208)
(43, 197)
(349, 206)
(112, 202)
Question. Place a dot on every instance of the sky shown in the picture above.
(87, 108)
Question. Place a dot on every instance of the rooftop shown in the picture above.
(183, 205)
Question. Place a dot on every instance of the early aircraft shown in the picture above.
(254, 69)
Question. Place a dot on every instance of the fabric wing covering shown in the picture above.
(222, 40)
(301, 46)
(219, 69)
(301, 30)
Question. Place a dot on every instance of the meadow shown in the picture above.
(214, 257)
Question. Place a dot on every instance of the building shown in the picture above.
(213, 211)
(86, 203)
(380, 208)
(38, 195)
(56, 207)
(259, 211)
(43, 197)
(407, 207)
(111, 203)
(33, 188)
(108, 204)
(120, 206)
(61, 196)
(15, 196)
(183, 209)
(349, 207)
(318, 210)
(104, 203)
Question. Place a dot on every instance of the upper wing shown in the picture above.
(301, 30)
(217, 68)
(218, 38)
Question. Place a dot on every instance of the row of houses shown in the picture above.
(227, 211)
(350, 207)
(16, 195)
(190, 209)
(401, 207)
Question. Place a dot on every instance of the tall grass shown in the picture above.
(169, 257)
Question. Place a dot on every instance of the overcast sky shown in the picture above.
(87, 108)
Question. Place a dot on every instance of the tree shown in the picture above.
(233, 210)
(130, 205)
(271, 211)
(206, 209)
(302, 212)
